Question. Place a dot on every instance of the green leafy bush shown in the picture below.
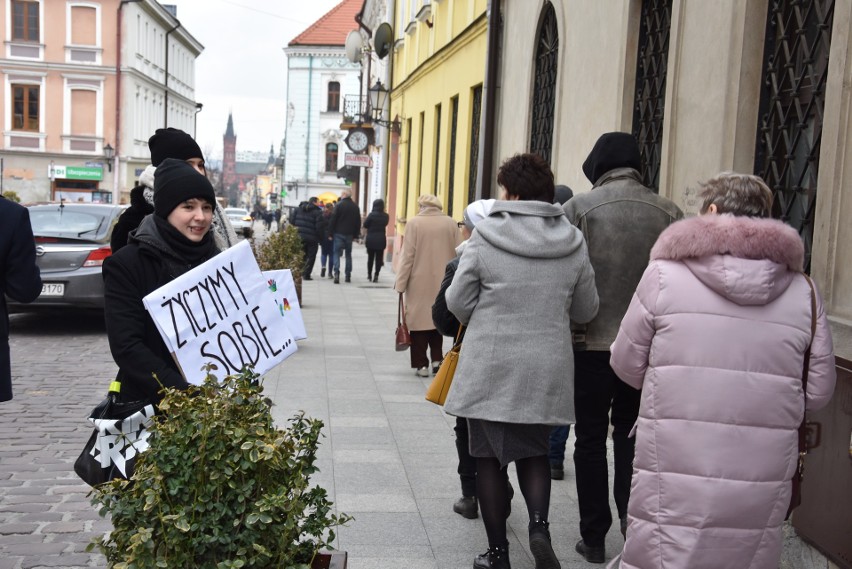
(12, 196)
(220, 487)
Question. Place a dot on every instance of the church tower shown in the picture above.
(229, 158)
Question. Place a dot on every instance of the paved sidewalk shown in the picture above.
(389, 458)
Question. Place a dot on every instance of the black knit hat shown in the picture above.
(175, 181)
(172, 143)
(612, 150)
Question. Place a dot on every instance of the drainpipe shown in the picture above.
(363, 188)
(166, 101)
(310, 110)
(486, 143)
(115, 178)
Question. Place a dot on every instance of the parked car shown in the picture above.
(241, 220)
(72, 241)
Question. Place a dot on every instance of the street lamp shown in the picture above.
(109, 152)
(198, 107)
(378, 99)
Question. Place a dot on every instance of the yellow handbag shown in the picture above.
(440, 386)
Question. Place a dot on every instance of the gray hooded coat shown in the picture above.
(524, 275)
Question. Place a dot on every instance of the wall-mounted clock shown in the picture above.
(357, 140)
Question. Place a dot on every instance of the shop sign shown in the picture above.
(77, 173)
(358, 160)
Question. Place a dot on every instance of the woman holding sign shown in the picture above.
(168, 243)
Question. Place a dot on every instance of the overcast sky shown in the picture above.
(243, 68)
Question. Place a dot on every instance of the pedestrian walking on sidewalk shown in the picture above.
(345, 225)
(727, 313)
(167, 244)
(620, 219)
(448, 325)
(376, 241)
(327, 244)
(430, 241)
(20, 278)
(310, 223)
(524, 273)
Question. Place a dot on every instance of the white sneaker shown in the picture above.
(423, 371)
(435, 367)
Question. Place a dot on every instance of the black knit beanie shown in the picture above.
(612, 150)
(172, 143)
(175, 181)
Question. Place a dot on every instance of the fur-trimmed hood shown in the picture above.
(750, 261)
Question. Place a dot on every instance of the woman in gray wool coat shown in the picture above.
(524, 275)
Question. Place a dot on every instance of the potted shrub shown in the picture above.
(282, 250)
(220, 487)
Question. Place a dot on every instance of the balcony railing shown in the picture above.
(355, 109)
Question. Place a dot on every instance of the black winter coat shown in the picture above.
(375, 224)
(130, 218)
(309, 221)
(19, 277)
(346, 219)
(136, 345)
(445, 321)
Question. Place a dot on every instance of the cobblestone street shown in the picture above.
(61, 368)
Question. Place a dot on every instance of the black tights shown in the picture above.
(493, 492)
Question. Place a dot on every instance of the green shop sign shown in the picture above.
(78, 173)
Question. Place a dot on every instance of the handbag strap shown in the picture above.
(803, 429)
(400, 311)
(459, 336)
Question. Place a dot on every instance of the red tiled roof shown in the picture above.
(332, 28)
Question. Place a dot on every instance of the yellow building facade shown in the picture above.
(438, 69)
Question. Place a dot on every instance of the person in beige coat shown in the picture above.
(430, 242)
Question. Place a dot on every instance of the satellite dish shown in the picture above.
(354, 44)
(382, 40)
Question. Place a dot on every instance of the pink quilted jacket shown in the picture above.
(715, 337)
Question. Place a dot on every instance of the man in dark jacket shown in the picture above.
(620, 219)
(309, 221)
(345, 225)
(19, 277)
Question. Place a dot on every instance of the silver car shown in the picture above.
(72, 241)
(241, 220)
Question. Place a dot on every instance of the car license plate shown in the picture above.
(52, 289)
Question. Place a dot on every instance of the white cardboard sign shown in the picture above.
(221, 312)
(283, 288)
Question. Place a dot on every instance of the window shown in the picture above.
(25, 24)
(789, 130)
(25, 107)
(474, 146)
(331, 157)
(454, 121)
(437, 145)
(544, 92)
(84, 106)
(333, 96)
(649, 103)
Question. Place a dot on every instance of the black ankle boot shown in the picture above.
(540, 547)
(497, 557)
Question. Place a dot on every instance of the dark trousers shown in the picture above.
(310, 248)
(558, 438)
(600, 398)
(467, 464)
(342, 246)
(423, 340)
(327, 254)
(374, 254)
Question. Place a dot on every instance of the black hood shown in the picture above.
(612, 150)
(379, 205)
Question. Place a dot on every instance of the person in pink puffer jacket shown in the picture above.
(715, 338)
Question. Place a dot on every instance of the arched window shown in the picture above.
(649, 100)
(333, 96)
(792, 98)
(331, 157)
(544, 88)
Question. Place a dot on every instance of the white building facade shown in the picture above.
(319, 78)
